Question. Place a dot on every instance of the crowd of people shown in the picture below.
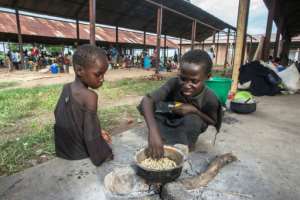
(36, 58)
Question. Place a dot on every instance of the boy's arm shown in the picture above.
(155, 144)
(98, 150)
(185, 109)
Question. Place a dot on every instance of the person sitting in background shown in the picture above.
(277, 64)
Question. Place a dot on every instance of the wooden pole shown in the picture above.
(279, 30)
(180, 49)
(20, 39)
(217, 49)
(165, 50)
(240, 41)
(250, 48)
(117, 35)
(276, 43)
(77, 32)
(285, 49)
(227, 45)
(194, 30)
(233, 48)
(158, 37)
(214, 43)
(266, 49)
(144, 41)
(92, 10)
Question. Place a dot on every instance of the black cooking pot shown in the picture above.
(160, 176)
(243, 108)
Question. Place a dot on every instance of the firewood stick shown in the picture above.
(213, 169)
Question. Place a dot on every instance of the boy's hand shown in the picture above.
(155, 145)
(106, 136)
(184, 109)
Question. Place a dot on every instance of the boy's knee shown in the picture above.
(194, 120)
(191, 118)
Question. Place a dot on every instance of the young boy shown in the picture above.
(77, 127)
(183, 107)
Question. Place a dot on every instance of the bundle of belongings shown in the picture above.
(290, 76)
(259, 80)
(264, 79)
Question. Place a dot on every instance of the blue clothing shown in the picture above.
(280, 68)
(147, 62)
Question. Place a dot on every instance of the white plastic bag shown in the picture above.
(291, 78)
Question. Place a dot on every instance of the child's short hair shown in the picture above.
(85, 55)
(198, 57)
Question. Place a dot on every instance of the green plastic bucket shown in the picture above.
(220, 86)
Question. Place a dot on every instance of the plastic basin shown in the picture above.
(220, 86)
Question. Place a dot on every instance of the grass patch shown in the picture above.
(4, 85)
(16, 104)
(114, 90)
(16, 154)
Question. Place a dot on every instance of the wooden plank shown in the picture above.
(240, 41)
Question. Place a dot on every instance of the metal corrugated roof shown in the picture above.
(34, 28)
(132, 14)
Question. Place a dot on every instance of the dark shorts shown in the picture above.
(184, 130)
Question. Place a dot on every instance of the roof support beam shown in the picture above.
(194, 30)
(217, 49)
(117, 35)
(92, 12)
(279, 31)
(144, 41)
(240, 41)
(285, 49)
(77, 32)
(227, 46)
(250, 49)
(180, 49)
(271, 12)
(20, 39)
(165, 49)
(158, 36)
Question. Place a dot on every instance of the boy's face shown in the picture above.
(93, 76)
(193, 78)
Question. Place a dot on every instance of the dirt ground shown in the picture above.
(265, 142)
(27, 79)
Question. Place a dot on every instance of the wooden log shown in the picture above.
(213, 169)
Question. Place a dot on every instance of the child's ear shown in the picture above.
(79, 70)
